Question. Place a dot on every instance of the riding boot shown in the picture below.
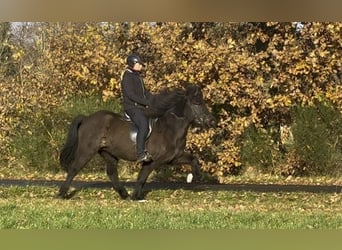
(145, 157)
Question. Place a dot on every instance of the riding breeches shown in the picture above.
(141, 121)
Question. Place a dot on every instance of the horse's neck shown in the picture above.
(176, 123)
(177, 120)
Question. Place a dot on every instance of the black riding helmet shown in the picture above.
(133, 59)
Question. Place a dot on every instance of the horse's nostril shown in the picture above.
(212, 122)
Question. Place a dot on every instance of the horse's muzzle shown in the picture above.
(206, 122)
(210, 121)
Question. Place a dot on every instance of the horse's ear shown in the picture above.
(196, 90)
(192, 90)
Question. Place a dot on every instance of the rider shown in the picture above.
(135, 100)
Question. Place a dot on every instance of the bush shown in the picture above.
(257, 150)
(316, 147)
(317, 132)
(37, 142)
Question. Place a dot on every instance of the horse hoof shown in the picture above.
(137, 197)
(61, 196)
(124, 194)
(66, 196)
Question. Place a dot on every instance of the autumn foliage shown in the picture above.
(252, 75)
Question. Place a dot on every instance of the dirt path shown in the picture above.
(186, 186)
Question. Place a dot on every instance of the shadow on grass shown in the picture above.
(264, 188)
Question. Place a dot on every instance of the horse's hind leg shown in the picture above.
(75, 167)
(66, 184)
(112, 172)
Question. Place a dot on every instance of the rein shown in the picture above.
(178, 117)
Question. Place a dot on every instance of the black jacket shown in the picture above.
(133, 90)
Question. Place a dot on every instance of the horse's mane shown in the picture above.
(164, 101)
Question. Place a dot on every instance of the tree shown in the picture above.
(6, 63)
(252, 74)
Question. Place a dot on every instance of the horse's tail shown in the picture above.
(68, 151)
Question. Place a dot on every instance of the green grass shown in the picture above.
(37, 208)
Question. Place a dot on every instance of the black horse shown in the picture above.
(108, 134)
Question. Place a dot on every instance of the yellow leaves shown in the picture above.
(269, 24)
(18, 55)
(184, 63)
(286, 101)
(323, 53)
(82, 74)
(334, 93)
(113, 83)
(254, 36)
(279, 101)
(231, 43)
(259, 80)
(200, 45)
(233, 67)
(300, 68)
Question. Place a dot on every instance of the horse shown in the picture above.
(108, 134)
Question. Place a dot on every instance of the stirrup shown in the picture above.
(146, 157)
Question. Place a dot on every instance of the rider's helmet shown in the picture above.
(133, 59)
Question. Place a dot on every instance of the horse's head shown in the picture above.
(202, 116)
(176, 101)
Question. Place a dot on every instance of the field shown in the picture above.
(35, 207)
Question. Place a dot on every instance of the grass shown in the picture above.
(37, 208)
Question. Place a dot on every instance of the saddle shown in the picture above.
(134, 130)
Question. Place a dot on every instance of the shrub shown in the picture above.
(315, 149)
(257, 149)
(37, 142)
(317, 132)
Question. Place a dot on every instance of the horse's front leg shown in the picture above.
(145, 171)
(189, 159)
